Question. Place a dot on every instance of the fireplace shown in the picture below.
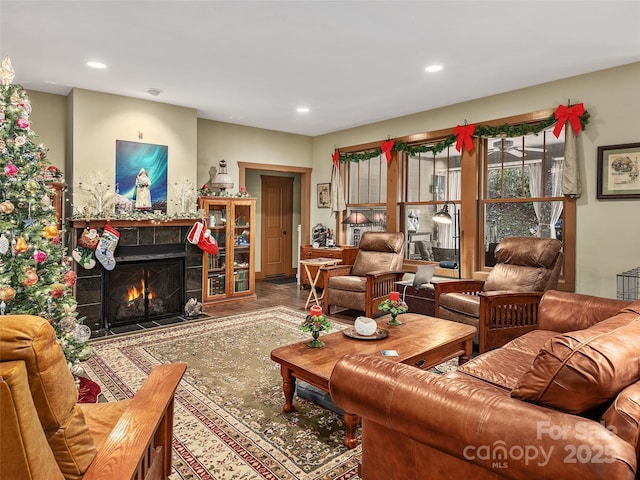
(147, 284)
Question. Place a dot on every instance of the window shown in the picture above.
(503, 187)
(367, 194)
(522, 193)
(430, 180)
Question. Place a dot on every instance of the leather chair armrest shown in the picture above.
(507, 297)
(141, 440)
(383, 273)
(336, 270)
(457, 286)
(466, 418)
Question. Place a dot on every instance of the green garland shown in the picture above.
(480, 131)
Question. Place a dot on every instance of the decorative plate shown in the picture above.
(380, 334)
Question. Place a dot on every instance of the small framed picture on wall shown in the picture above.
(324, 195)
(619, 171)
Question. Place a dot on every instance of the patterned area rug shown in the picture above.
(229, 422)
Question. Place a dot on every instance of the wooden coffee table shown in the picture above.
(420, 341)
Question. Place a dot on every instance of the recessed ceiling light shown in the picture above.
(433, 68)
(96, 65)
(153, 91)
(302, 109)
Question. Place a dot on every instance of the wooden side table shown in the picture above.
(316, 263)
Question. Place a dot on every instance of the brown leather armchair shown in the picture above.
(365, 284)
(46, 435)
(505, 305)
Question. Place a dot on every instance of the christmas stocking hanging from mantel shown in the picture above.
(106, 247)
(87, 243)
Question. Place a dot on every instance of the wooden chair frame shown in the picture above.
(503, 315)
(379, 285)
(140, 445)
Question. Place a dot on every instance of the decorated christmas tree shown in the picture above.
(35, 276)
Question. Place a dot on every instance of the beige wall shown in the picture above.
(607, 231)
(236, 143)
(99, 119)
(49, 121)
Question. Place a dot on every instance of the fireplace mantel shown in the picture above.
(155, 222)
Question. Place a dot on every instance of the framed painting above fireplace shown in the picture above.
(131, 158)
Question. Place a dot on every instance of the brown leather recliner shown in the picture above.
(505, 305)
(46, 435)
(365, 284)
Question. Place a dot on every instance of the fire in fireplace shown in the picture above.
(147, 284)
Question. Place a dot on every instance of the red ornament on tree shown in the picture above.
(70, 278)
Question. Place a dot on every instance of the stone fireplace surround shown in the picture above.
(90, 285)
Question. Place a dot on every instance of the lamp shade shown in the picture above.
(356, 218)
(443, 216)
(222, 180)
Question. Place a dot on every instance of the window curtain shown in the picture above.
(535, 188)
(546, 213)
(337, 191)
(557, 178)
(571, 185)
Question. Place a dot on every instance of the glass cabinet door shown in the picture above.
(216, 264)
(242, 248)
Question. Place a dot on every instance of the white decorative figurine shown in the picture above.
(143, 191)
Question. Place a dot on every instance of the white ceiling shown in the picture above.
(351, 62)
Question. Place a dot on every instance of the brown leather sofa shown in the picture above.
(45, 434)
(560, 402)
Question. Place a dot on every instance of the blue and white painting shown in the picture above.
(133, 156)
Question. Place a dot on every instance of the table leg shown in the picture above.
(351, 422)
(289, 388)
(312, 286)
(468, 349)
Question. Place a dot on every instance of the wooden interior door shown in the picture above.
(277, 228)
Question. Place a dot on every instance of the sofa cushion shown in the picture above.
(461, 303)
(349, 283)
(505, 366)
(579, 372)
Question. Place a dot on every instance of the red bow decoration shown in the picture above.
(335, 156)
(464, 133)
(386, 147)
(570, 114)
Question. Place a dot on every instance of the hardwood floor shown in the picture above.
(272, 295)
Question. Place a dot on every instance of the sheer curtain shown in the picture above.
(556, 187)
(546, 213)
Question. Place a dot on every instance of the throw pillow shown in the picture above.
(579, 372)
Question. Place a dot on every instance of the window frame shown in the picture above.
(470, 203)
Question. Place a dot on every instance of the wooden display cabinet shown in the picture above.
(230, 274)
